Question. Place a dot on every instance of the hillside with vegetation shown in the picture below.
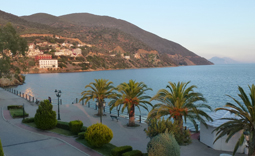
(152, 40)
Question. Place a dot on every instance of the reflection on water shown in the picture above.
(29, 91)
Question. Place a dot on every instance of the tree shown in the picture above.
(99, 90)
(45, 117)
(131, 96)
(180, 103)
(10, 42)
(244, 120)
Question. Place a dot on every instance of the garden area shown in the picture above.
(96, 136)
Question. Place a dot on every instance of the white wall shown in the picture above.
(207, 137)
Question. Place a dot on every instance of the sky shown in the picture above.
(222, 28)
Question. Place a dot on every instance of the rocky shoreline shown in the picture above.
(14, 80)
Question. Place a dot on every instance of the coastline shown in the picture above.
(90, 70)
(12, 81)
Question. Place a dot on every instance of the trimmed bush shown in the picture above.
(63, 125)
(45, 117)
(81, 135)
(83, 129)
(118, 151)
(1, 149)
(98, 134)
(14, 107)
(134, 153)
(163, 144)
(75, 126)
(28, 120)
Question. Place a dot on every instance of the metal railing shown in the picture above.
(115, 111)
(29, 97)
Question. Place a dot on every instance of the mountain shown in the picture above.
(176, 51)
(24, 26)
(224, 60)
(104, 32)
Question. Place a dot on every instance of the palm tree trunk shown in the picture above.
(132, 116)
(100, 110)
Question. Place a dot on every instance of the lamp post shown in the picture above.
(58, 94)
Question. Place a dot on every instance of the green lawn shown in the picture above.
(55, 130)
(62, 131)
(17, 113)
(105, 150)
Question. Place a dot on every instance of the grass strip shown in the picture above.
(104, 150)
(55, 130)
(15, 113)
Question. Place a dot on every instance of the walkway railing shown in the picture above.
(115, 111)
(29, 97)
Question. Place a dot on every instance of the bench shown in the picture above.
(114, 117)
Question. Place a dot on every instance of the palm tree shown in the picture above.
(179, 103)
(131, 96)
(245, 120)
(99, 90)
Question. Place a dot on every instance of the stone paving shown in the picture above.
(123, 135)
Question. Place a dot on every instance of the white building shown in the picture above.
(48, 63)
(64, 52)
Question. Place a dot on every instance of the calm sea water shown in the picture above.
(214, 81)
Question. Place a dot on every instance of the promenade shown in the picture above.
(19, 139)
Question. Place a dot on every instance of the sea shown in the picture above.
(215, 82)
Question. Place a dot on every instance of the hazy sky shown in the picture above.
(224, 28)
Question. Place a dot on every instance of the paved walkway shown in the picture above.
(19, 139)
(123, 135)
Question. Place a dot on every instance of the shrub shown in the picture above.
(118, 151)
(83, 129)
(45, 117)
(63, 125)
(133, 153)
(98, 134)
(28, 120)
(81, 135)
(163, 144)
(1, 149)
(75, 126)
(157, 126)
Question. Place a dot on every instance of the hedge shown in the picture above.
(81, 135)
(75, 126)
(14, 107)
(63, 125)
(28, 120)
(118, 151)
(133, 153)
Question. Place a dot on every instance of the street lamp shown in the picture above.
(58, 94)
